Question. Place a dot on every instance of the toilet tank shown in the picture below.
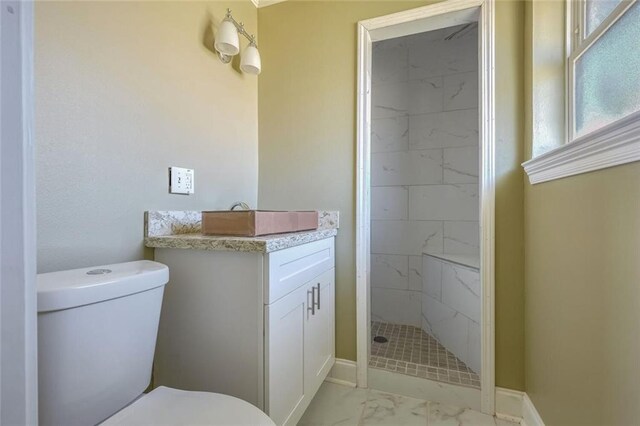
(97, 331)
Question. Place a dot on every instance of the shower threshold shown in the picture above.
(411, 351)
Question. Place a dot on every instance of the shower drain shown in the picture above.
(380, 339)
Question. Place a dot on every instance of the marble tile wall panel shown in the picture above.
(425, 58)
(406, 237)
(396, 306)
(390, 271)
(461, 290)
(390, 62)
(475, 347)
(446, 129)
(389, 202)
(432, 277)
(444, 202)
(390, 100)
(433, 55)
(461, 165)
(426, 95)
(448, 326)
(390, 134)
(451, 308)
(459, 54)
(460, 91)
(462, 237)
(415, 273)
(424, 39)
(406, 168)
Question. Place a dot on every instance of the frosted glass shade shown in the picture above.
(227, 41)
(250, 60)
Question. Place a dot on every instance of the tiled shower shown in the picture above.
(425, 281)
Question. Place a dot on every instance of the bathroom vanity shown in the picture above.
(251, 317)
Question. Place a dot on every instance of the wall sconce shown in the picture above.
(227, 45)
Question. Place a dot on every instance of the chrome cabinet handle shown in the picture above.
(318, 306)
(312, 308)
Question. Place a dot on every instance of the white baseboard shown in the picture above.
(509, 404)
(530, 416)
(515, 406)
(343, 373)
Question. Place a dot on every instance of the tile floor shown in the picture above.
(411, 351)
(346, 406)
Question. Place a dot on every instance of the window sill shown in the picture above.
(613, 145)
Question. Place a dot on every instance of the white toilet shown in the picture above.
(97, 331)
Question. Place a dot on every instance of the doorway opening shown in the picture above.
(425, 214)
(425, 283)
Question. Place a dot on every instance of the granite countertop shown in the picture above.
(263, 244)
(181, 230)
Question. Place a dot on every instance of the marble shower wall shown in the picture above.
(451, 307)
(424, 163)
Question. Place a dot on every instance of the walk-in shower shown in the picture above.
(425, 278)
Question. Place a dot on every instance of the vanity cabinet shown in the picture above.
(299, 347)
(258, 326)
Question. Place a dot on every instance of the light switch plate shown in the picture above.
(181, 180)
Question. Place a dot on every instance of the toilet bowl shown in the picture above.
(97, 331)
(167, 406)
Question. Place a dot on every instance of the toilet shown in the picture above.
(97, 331)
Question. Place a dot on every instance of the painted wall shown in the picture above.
(582, 310)
(123, 91)
(307, 145)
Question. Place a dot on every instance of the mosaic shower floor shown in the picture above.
(409, 350)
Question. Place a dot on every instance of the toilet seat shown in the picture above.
(167, 406)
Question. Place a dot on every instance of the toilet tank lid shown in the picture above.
(83, 286)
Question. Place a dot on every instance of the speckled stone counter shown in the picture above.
(181, 230)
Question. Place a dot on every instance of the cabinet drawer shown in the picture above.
(288, 269)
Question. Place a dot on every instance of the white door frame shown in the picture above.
(18, 339)
(443, 14)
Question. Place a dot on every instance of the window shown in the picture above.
(603, 65)
(603, 90)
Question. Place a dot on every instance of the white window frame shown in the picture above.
(611, 145)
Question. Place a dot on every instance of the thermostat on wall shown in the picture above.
(181, 180)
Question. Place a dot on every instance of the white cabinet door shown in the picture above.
(284, 357)
(319, 345)
(299, 347)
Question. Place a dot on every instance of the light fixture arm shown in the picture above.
(240, 27)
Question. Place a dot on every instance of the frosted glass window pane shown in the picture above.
(597, 11)
(607, 75)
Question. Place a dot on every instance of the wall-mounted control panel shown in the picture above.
(181, 180)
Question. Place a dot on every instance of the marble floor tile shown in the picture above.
(388, 409)
(346, 406)
(335, 405)
(445, 415)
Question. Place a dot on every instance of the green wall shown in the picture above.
(582, 233)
